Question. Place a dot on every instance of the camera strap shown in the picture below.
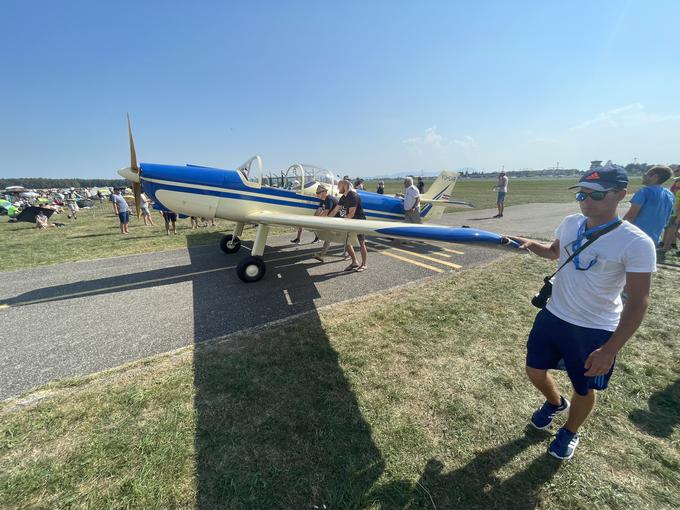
(594, 237)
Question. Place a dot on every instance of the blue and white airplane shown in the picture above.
(245, 196)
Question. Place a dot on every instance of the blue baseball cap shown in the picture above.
(604, 178)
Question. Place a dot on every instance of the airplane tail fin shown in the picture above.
(440, 189)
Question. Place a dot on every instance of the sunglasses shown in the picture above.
(594, 195)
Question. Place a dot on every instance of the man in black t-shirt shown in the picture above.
(349, 207)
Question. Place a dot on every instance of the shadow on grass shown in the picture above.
(663, 414)
(476, 484)
(277, 424)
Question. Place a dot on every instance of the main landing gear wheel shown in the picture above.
(230, 244)
(251, 269)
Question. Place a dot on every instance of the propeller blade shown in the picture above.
(133, 154)
(137, 192)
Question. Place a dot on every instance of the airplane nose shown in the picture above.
(129, 174)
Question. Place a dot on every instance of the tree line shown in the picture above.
(44, 183)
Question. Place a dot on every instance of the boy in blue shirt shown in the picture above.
(651, 206)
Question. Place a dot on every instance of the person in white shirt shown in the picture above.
(411, 201)
(585, 323)
(144, 206)
(502, 188)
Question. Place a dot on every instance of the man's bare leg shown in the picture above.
(581, 406)
(364, 254)
(352, 255)
(544, 382)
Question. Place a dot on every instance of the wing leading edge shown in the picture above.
(385, 228)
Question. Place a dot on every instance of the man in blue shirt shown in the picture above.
(651, 206)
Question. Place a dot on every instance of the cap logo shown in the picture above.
(593, 176)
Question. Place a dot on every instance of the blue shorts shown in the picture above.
(124, 217)
(554, 343)
(501, 196)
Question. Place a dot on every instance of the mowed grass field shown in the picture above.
(415, 399)
(95, 234)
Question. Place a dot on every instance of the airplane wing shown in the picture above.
(385, 228)
(447, 203)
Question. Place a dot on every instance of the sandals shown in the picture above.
(361, 269)
(351, 267)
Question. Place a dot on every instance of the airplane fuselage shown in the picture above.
(212, 192)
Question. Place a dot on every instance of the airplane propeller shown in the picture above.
(136, 184)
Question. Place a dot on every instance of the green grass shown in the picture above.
(96, 234)
(412, 399)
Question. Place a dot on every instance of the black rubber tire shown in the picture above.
(224, 244)
(251, 269)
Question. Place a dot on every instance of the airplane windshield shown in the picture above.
(306, 178)
(252, 170)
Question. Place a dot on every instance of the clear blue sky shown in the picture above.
(362, 88)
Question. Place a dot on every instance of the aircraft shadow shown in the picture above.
(664, 412)
(475, 485)
(277, 424)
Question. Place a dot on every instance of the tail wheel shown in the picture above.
(251, 269)
(230, 244)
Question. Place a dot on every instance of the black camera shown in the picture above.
(541, 299)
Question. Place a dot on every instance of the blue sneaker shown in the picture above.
(543, 417)
(564, 445)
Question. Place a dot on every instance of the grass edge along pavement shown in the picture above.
(412, 398)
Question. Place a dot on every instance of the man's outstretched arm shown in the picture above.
(547, 251)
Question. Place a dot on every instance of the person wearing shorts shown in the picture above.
(585, 323)
(349, 207)
(123, 211)
(170, 218)
(502, 188)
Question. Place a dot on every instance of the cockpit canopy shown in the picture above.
(301, 178)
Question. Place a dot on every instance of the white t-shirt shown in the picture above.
(592, 298)
(411, 194)
(503, 183)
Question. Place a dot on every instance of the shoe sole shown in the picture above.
(557, 412)
(565, 458)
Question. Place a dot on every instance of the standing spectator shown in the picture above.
(671, 234)
(169, 217)
(328, 203)
(381, 188)
(651, 206)
(146, 215)
(585, 323)
(502, 188)
(123, 211)
(194, 222)
(359, 184)
(411, 201)
(421, 185)
(349, 207)
(72, 203)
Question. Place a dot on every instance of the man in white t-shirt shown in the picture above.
(411, 201)
(585, 323)
(502, 188)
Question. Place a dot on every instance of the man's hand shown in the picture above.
(547, 251)
(524, 244)
(599, 362)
